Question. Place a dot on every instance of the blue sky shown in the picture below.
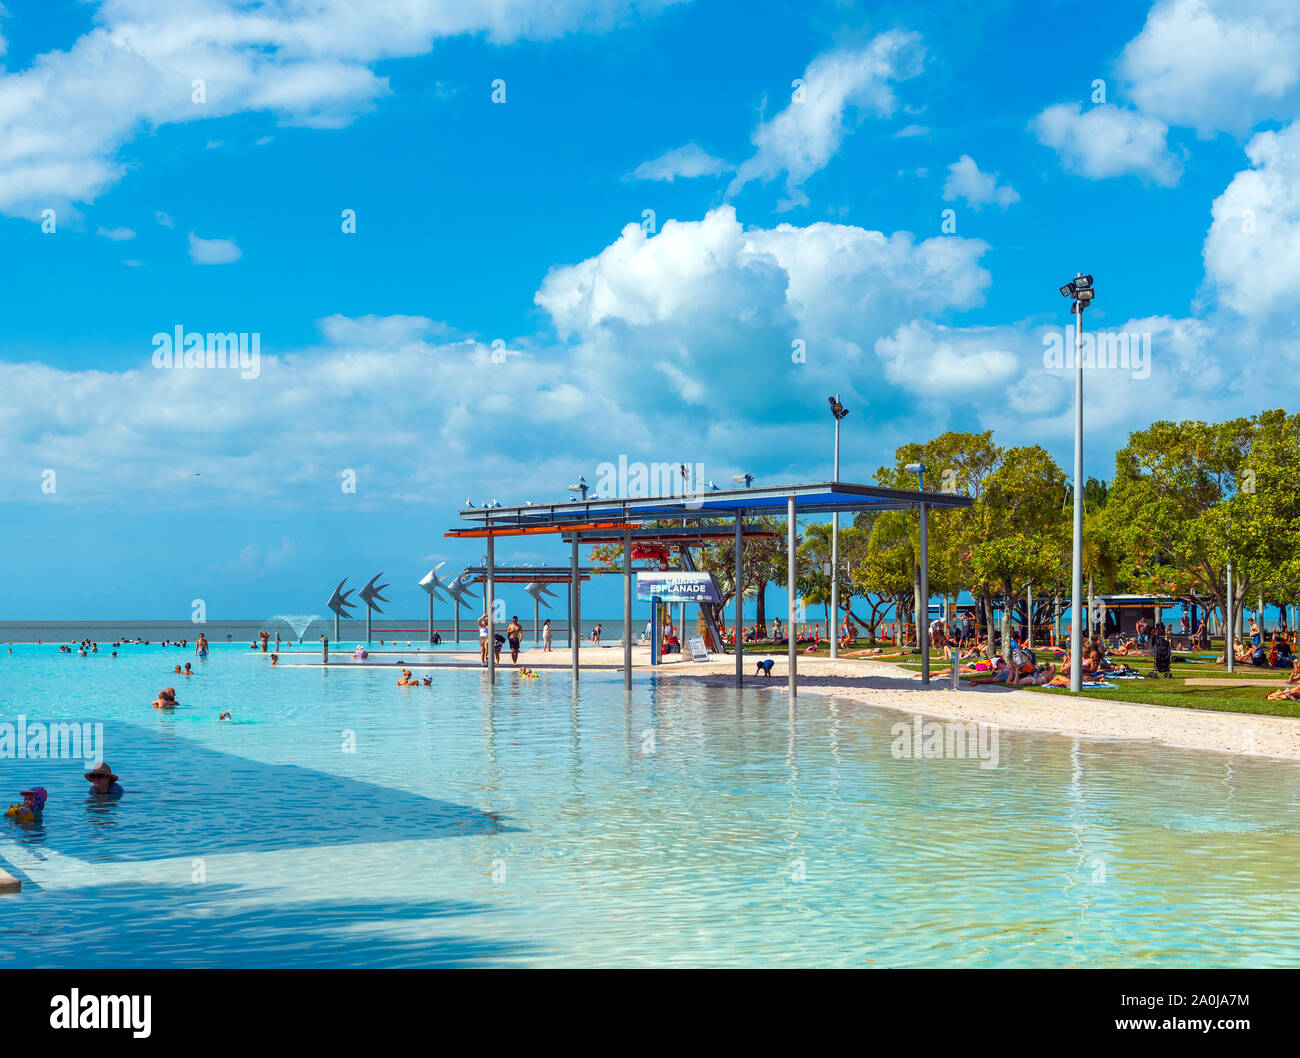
(816, 219)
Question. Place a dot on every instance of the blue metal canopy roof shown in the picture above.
(818, 498)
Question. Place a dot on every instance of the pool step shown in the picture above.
(8, 883)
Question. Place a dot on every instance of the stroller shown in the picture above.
(1163, 654)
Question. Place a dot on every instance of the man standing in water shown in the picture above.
(201, 647)
(514, 632)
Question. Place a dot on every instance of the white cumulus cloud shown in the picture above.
(1216, 65)
(687, 162)
(966, 181)
(1106, 141)
(804, 136)
(1252, 250)
(213, 251)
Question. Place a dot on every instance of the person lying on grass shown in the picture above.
(1129, 646)
(1289, 693)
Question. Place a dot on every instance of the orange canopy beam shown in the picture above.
(536, 530)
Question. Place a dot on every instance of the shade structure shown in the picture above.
(611, 518)
(824, 497)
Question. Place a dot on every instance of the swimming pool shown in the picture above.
(341, 821)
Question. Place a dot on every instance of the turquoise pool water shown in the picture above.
(340, 820)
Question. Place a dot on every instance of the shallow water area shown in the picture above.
(340, 820)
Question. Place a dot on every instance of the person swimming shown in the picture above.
(224, 716)
(406, 680)
(31, 808)
(103, 783)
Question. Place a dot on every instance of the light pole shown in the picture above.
(923, 618)
(839, 411)
(1081, 290)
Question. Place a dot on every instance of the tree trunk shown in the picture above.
(986, 603)
(1092, 610)
(760, 615)
(1008, 619)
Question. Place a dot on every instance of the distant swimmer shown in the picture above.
(224, 716)
(275, 659)
(166, 699)
(428, 681)
(187, 671)
(406, 680)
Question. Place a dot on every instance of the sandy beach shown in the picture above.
(889, 686)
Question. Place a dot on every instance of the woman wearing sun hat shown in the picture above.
(103, 782)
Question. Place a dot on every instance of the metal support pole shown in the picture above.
(627, 606)
(835, 553)
(1076, 556)
(790, 583)
(1029, 615)
(924, 637)
(1230, 626)
(654, 630)
(430, 617)
(457, 608)
(740, 604)
(490, 602)
(575, 610)
(537, 620)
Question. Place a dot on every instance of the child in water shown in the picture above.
(31, 808)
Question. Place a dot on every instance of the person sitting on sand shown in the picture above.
(103, 783)
(406, 680)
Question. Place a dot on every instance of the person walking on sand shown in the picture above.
(546, 635)
(483, 639)
(595, 636)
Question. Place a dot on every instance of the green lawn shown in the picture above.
(1175, 692)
